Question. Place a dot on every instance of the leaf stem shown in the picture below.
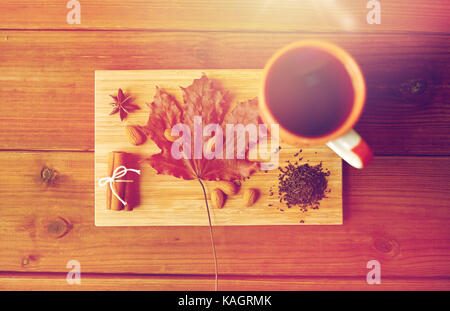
(212, 238)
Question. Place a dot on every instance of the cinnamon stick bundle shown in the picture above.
(116, 159)
(128, 191)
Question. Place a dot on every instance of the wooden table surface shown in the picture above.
(396, 211)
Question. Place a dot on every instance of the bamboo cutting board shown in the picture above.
(168, 201)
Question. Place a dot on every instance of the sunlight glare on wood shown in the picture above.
(330, 13)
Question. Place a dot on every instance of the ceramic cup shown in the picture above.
(330, 93)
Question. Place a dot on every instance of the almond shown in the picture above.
(135, 135)
(217, 198)
(250, 197)
(168, 135)
(228, 187)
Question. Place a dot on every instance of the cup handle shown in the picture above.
(353, 149)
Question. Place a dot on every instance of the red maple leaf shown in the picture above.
(201, 99)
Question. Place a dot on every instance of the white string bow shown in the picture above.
(118, 173)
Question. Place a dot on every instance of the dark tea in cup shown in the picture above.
(309, 92)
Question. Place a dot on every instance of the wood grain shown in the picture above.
(225, 15)
(95, 282)
(168, 201)
(395, 211)
(47, 81)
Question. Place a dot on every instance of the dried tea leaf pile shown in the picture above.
(303, 185)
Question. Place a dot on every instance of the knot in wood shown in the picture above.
(387, 246)
(414, 86)
(29, 259)
(58, 227)
(48, 175)
(383, 245)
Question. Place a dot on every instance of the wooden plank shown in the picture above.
(169, 201)
(48, 81)
(224, 15)
(92, 282)
(395, 211)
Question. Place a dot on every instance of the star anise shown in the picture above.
(122, 104)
